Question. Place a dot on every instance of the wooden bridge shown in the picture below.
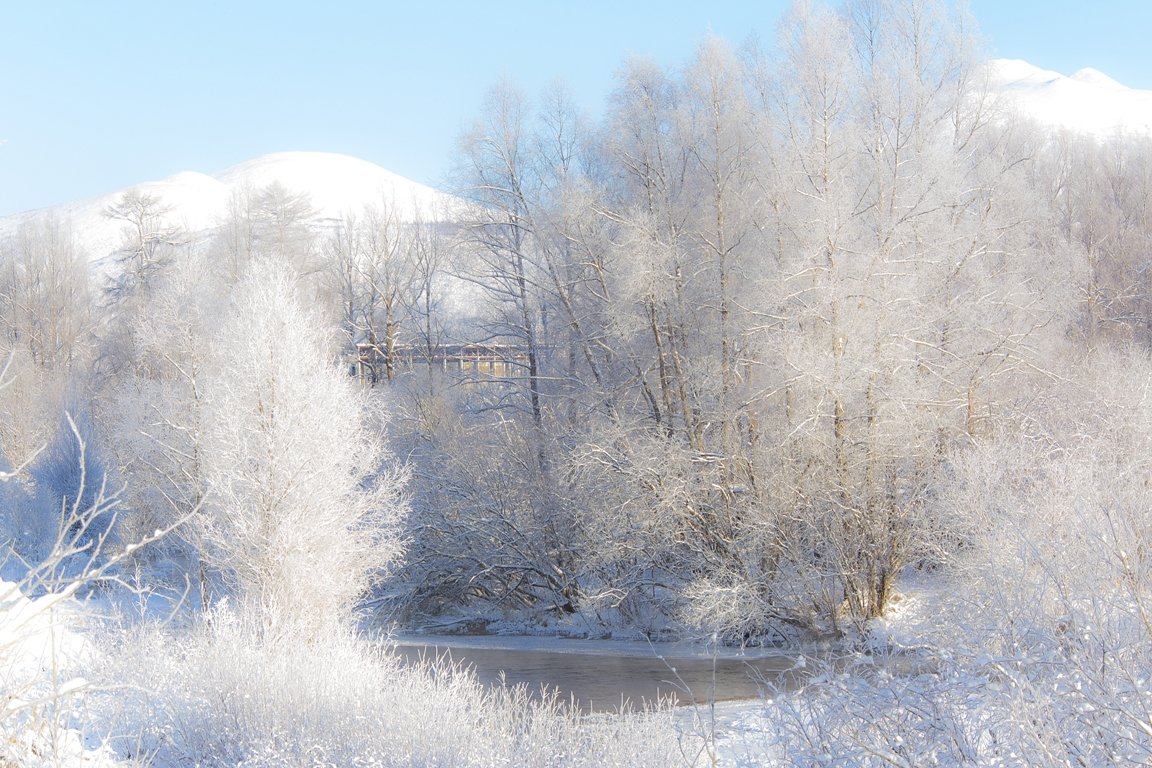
(481, 360)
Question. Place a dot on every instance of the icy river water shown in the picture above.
(601, 675)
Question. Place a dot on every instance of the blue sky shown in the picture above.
(98, 96)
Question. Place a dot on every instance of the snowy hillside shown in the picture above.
(337, 185)
(1086, 102)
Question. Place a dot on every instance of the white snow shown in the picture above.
(1096, 77)
(1087, 102)
(339, 184)
(39, 653)
(336, 184)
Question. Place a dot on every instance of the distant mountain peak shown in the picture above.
(337, 185)
(1088, 102)
(1017, 72)
(1095, 77)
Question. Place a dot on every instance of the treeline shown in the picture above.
(766, 308)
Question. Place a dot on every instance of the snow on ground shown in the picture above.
(41, 687)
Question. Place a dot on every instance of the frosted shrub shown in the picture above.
(70, 471)
(39, 677)
(1054, 598)
(733, 610)
(70, 494)
(45, 655)
(1029, 708)
(223, 696)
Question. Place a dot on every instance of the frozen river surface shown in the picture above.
(601, 675)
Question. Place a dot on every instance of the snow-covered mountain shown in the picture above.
(337, 185)
(1087, 102)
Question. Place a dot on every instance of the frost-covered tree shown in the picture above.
(154, 411)
(47, 322)
(426, 301)
(303, 500)
(45, 306)
(282, 227)
(900, 304)
(498, 173)
(147, 242)
(370, 269)
(269, 222)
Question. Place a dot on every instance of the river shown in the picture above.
(600, 676)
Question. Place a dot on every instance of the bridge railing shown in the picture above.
(483, 360)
